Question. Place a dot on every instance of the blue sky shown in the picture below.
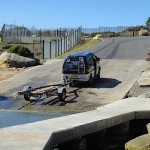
(46, 14)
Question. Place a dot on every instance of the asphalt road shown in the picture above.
(122, 48)
(122, 62)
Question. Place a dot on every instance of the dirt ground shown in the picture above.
(7, 72)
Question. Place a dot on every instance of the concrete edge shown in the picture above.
(85, 129)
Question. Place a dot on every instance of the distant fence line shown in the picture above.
(105, 29)
(17, 34)
(54, 42)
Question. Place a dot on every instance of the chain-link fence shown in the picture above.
(49, 43)
(19, 34)
(123, 31)
(106, 31)
(43, 43)
(55, 48)
(54, 42)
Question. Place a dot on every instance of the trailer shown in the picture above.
(45, 91)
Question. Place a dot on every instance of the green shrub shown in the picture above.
(20, 50)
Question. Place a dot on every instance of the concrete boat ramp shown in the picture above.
(46, 133)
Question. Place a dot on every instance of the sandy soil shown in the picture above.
(7, 72)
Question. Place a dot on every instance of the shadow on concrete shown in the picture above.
(101, 83)
(106, 83)
(73, 99)
(55, 100)
(51, 102)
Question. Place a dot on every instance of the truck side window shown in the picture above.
(94, 57)
(90, 60)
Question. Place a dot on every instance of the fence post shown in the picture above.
(50, 49)
(72, 40)
(64, 44)
(61, 45)
(55, 49)
(43, 49)
(58, 46)
(75, 40)
(67, 42)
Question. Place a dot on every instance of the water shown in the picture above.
(12, 118)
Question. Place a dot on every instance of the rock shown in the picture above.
(14, 68)
(148, 128)
(144, 79)
(18, 61)
(42, 61)
(97, 36)
(139, 143)
(143, 32)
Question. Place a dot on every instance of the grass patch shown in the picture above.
(83, 44)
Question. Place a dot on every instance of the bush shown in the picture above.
(20, 50)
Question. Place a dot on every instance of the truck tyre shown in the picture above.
(26, 97)
(62, 96)
(90, 81)
(98, 76)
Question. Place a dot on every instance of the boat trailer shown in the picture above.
(45, 91)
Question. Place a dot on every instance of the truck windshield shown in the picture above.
(73, 63)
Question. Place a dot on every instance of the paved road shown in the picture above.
(122, 63)
(123, 48)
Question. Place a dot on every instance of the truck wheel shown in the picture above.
(62, 96)
(98, 75)
(90, 81)
(26, 97)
